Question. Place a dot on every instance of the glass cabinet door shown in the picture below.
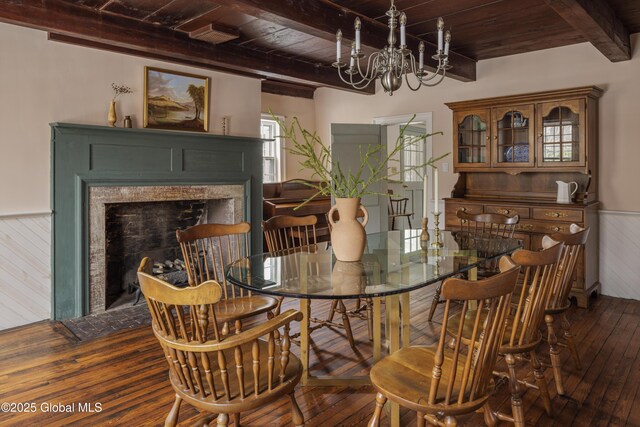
(513, 136)
(561, 133)
(473, 130)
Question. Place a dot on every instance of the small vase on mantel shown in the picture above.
(348, 237)
(112, 117)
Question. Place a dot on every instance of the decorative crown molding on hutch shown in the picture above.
(84, 156)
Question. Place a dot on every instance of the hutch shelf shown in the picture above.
(510, 151)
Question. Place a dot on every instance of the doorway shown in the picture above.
(405, 183)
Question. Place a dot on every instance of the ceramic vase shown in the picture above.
(112, 117)
(348, 237)
(348, 278)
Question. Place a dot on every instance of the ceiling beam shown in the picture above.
(597, 22)
(288, 89)
(322, 18)
(148, 40)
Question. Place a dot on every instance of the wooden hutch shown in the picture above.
(511, 150)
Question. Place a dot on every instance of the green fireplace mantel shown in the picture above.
(85, 156)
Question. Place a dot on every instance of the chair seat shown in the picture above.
(453, 326)
(235, 402)
(243, 307)
(405, 377)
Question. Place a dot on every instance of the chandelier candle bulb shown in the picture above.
(440, 33)
(338, 46)
(358, 25)
(403, 30)
(436, 204)
(421, 60)
(352, 62)
(447, 42)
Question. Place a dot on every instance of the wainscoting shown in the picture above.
(620, 254)
(25, 270)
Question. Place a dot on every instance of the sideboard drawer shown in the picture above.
(568, 215)
(522, 212)
(544, 227)
(452, 209)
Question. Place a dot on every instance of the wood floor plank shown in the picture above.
(127, 373)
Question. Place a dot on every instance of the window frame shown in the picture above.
(277, 147)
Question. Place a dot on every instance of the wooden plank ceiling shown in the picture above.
(294, 40)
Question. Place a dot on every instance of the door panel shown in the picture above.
(346, 140)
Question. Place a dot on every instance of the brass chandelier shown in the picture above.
(391, 63)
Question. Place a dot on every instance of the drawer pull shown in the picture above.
(556, 214)
(504, 211)
(464, 221)
(554, 229)
(462, 210)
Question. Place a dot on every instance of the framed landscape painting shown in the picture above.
(175, 101)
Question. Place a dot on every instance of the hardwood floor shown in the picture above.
(125, 372)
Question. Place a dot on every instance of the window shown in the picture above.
(270, 130)
(412, 155)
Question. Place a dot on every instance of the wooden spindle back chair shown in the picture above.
(222, 375)
(558, 302)
(474, 228)
(443, 381)
(488, 225)
(285, 234)
(538, 270)
(397, 208)
(207, 249)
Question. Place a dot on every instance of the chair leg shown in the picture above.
(434, 303)
(409, 219)
(296, 413)
(393, 223)
(381, 399)
(420, 422)
(223, 420)
(516, 399)
(568, 336)
(236, 419)
(554, 354)
(332, 310)
(541, 382)
(345, 322)
(172, 418)
(490, 418)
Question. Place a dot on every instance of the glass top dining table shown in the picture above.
(393, 263)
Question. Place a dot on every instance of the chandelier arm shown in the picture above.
(444, 72)
(350, 82)
(406, 76)
(371, 69)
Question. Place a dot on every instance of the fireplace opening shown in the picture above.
(134, 230)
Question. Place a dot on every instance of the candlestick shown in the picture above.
(424, 235)
(352, 62)
(338, 46)
(436, 199)
(437, 243)
(421, 56)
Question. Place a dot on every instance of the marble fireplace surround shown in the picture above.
(100, 196)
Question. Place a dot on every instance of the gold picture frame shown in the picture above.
(175, 100)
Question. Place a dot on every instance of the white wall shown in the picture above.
(290, 107)
(43, 82)
(565, 67)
